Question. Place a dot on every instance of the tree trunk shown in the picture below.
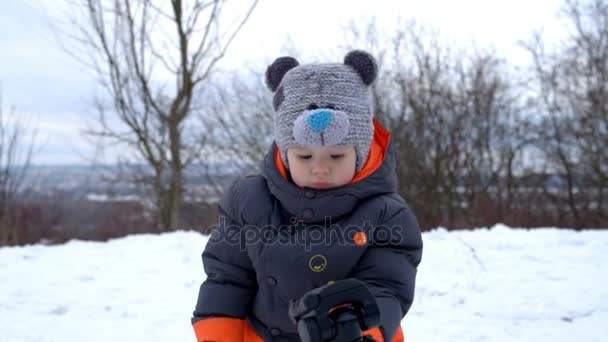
(175, 187)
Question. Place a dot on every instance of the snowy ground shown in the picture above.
(485, 285)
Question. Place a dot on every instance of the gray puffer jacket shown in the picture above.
(276, 241)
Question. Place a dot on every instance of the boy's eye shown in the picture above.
(304, 156)
(337, 156)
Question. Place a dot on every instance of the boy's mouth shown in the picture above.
(321, 184)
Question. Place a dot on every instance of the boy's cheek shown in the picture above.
(297, 175)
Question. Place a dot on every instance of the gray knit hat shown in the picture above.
(323, 104)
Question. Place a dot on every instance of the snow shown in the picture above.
(497, 284)
(504, 284)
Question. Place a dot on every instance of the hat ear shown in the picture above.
(364, 64)
(278, 69)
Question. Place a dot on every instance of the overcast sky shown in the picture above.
(46, 83)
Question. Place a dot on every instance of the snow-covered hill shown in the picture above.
(499, 284)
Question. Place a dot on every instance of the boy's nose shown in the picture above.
(320, 120)
(320, 169)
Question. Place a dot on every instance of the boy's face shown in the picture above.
(323, 167)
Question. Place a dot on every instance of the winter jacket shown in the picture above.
(276, 241)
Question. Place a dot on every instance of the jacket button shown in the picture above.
(307, 214)
(271, 281)
(275, 332)
(309, 194)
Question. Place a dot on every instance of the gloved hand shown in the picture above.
(339, 312)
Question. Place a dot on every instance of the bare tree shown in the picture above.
(247, 126)
(494, 134)
(15, 158)
(456, 123)
(153, 59)
(572, 87)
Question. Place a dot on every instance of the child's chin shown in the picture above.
(322, 186)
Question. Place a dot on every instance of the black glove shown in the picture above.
(338, 312)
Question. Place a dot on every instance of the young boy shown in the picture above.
(325, 208)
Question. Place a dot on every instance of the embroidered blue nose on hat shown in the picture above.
(321, 127)
(320, 120)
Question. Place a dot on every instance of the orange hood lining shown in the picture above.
(377, 154)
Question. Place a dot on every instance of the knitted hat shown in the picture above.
(323, 104)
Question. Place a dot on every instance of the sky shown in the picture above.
(43, 81)
(498, 284)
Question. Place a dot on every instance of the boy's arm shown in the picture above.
(226, 296)
(388, 267)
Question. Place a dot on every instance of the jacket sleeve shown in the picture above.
(226, 296)
(388, 266)
(230, 285)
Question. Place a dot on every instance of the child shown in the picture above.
(325, 208)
